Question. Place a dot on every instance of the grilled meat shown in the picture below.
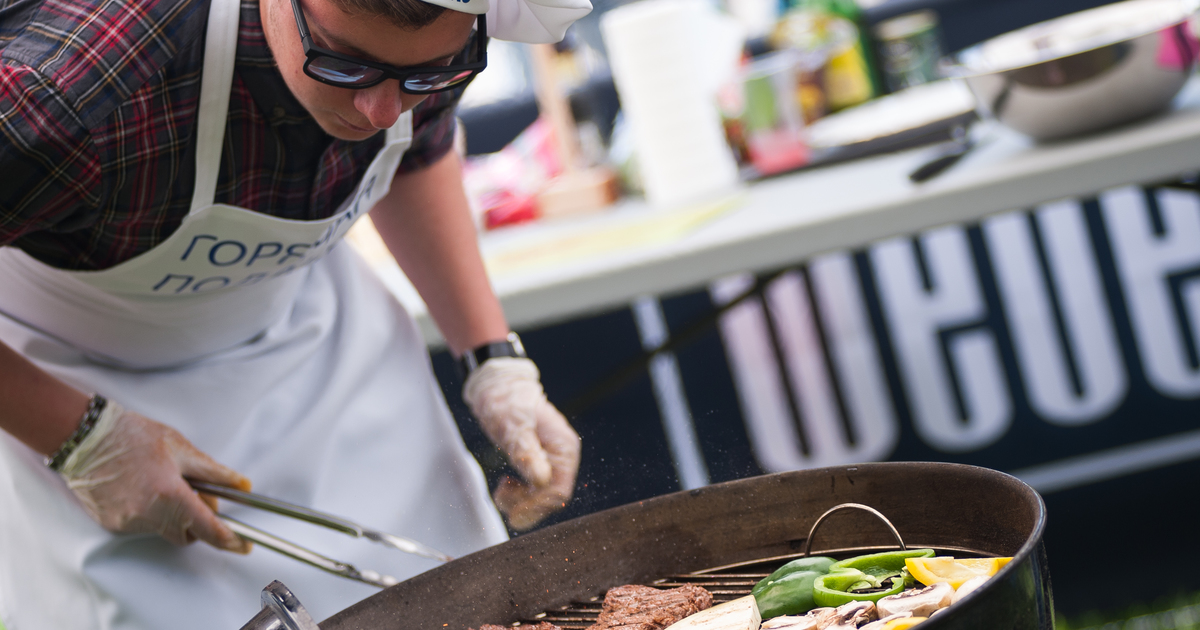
(633, 607)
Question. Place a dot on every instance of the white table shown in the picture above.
(571, 268)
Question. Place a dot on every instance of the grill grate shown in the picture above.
(724, 583)
(724, 587)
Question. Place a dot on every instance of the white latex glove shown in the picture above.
(129, 475)
(506, 396)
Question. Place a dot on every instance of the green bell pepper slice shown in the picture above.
(881, 564)
(820, 564)
(866, 578)
(834, 589)
(789, 590)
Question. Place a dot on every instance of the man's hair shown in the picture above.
(409, 15)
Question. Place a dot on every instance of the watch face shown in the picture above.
(517, 347)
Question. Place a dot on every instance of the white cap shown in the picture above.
(529, 21)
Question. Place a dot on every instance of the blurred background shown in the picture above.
(772, 234)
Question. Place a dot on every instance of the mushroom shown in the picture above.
(966, 587)
(790, 622)
(921, 602)
(883, 621)
(848, 616)
(811, 621)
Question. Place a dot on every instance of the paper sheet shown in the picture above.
(653, 228)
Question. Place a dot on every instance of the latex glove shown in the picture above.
(506, 396)
(129, 475)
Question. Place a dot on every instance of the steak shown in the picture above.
(633, 607)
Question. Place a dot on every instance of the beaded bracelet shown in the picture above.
(95, 407)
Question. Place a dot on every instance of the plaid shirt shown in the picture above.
(98, 103)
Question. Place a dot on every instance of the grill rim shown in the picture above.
(727, 523)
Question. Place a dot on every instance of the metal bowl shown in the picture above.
(1085, 71)
(944, 506)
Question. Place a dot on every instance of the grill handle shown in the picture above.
(849, 506)
(281, 611)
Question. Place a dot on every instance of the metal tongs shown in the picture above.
(303, 554)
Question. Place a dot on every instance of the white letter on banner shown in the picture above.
(669, 392)
(869, 433)
(855, 355)
(761, 385)
(1160, 275)
(756, 376)
(1045, 364)
(968, 365)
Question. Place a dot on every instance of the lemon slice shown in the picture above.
(953, 571)
(903, 624)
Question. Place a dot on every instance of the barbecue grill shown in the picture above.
(727, 536)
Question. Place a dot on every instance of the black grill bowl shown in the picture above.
(954, 508)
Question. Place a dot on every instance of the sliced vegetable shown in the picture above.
(812, 620)
(865, 578)
(921, 602)
(902, 624)
(969, 586)
(789, 590)
(851, 615)
(952, 571)
(739, 614)
(850, 585)
(820, 564)
(883, 621)
(881, 564)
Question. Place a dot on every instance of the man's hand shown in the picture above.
(129, 475)
(425, 220)
(506, 396)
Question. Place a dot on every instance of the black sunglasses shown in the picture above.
(345, 71)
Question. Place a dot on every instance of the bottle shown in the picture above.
(849, 76)
(909, 49)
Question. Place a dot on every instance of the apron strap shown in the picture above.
(402, 130)
(220, 52)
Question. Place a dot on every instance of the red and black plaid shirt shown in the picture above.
(98, 106)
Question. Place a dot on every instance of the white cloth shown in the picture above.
(533, 21)
(314, 383)
(526, 21)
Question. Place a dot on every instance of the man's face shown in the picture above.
(357, 114)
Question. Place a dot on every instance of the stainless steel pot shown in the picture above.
(1085, 71)
(944, 506)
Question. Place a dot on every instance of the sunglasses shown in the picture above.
(333, 68)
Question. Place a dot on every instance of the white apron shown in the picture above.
(272, 350)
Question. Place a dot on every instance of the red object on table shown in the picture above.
(504, 207)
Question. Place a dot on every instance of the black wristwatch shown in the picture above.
(473, 358)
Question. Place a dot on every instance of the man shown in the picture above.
(175, 176)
